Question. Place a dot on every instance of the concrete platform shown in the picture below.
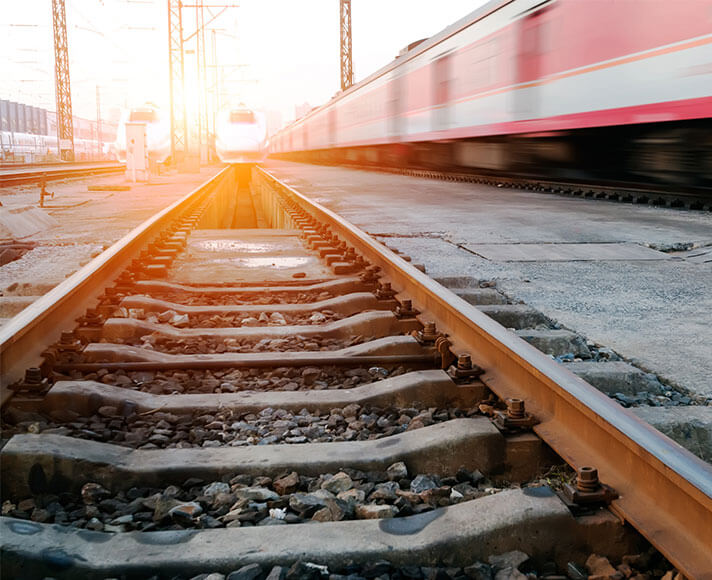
(235, 256)
(84, 223)
(603, 269)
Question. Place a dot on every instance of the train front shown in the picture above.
(240, 136)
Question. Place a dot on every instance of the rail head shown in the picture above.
(665, 491)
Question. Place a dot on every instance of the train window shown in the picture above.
(142, 116)
(242, 117)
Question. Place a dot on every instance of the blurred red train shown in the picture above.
(562, 88)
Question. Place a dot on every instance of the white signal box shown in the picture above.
(136, 152)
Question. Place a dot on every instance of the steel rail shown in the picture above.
(14, 176)
(24, 337)
(665, 491)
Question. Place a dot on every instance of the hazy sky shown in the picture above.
(272, 54)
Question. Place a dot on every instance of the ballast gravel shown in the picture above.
(239, 380)
(244, 500)
(210, 299)
(230, 320)
(211, 345)
(225, 428)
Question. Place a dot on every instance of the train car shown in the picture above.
(27, 148)
(158, 133)
(241, 136)
(557, 88)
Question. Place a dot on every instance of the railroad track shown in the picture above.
(35, 174)
(260, 387)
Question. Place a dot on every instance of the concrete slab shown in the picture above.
(11, 305)
(336, 286)
(390, 345)
(533, 520)
(21, 222)
(563, 252)
(66, 464)
(657, 313)
(691, 427)
(517, 316)
(616, 377)
(372, 323)
(232, 256)
(347, 304)
(430, 388)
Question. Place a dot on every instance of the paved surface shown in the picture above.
(87, 223)
(603, 269)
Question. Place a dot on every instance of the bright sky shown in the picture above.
(271, 54)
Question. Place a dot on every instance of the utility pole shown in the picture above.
(65, 126)
(176, 58)
(176, 75)
(347, 73)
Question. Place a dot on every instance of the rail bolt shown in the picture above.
(405, 309)
(33, 376)
(33, 382)
(385, 292)
(369, 275)
(428, 334)
(464, 369)
(515, 417)
(588, 489)
(464, 361)
(515, 409)
(92, 318)
(587, 479)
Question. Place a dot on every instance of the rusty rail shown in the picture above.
(665, 491)
(24, 337)
(29, 174)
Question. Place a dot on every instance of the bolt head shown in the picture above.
(587, 473)
(464, 361)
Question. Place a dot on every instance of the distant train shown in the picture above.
(241, 136)
(554, 88)
(158, 132)
(29, 135)
(29, 148)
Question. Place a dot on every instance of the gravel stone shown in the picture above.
(249, 572)
(397, 471)
(375, 511)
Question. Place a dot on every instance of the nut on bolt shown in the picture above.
(68, 342)
(464, 369)
(588, 489)
(428, 334)
(370, 274)
(405, 309)
(384, 291)
(33, 381)
(515, 417)
(91, 318)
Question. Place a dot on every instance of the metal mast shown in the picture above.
(65, 128)
(179, 120)
(347, 73)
